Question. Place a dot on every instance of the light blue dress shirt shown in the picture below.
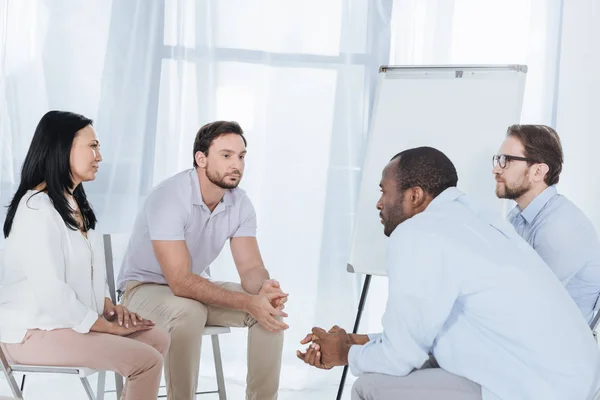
(566, 240)
(466, 287)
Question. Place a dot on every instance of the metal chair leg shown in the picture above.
(101, 387)
(119, 385)
(88, 388)
(219, 367)
(10, 378)
(12, 383)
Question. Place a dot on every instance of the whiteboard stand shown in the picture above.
(361, 306)
(442, 106)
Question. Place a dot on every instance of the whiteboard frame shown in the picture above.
(465, 67)
(458, 73)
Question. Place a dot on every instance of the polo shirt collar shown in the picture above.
(227, 200)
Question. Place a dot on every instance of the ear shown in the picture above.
(540, 172)
(200, 158)
(416, 196)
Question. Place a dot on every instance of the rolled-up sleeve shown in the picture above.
(420, 298)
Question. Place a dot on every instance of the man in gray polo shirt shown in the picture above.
(181, 229)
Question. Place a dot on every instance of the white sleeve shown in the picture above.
(43, 261)
(421, 296)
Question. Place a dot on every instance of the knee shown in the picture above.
(146, 358)
(161, 340)
(361, 389)
(189, 321)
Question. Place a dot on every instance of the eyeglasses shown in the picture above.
(502, 159)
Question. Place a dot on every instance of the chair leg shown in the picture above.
(88, 388)
(119, 385)
(12, 383)
(10, 378)
(101, 388)
(23, 383)
(219, 367)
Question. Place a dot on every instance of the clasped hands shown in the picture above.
(268, 305)
(326, 349)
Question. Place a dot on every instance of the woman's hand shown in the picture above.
(122, 316)
(103, 326)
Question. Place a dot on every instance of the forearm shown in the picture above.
(101, 325)
(108, 304)
(358, 339)
(200, 289)
(253, 279)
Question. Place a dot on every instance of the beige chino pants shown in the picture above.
(185, 320)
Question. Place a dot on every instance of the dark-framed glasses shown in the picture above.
(502, 160)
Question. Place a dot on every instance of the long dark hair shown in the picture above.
(48, 161)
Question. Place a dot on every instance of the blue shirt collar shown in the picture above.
(536, 205)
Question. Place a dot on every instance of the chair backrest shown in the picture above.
(595, 321)
(110, 267)
(114, 250)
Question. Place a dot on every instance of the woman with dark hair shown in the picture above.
(54, 307)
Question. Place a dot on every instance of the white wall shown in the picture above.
(579, 105)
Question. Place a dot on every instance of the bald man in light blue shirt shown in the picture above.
(466, 288)
(527, 169)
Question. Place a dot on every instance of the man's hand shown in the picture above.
(261, 308)
(328, 349)
(122, 316)
(271, 286)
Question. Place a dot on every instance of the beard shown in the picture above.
(504, 191)
(390, 222)
(223, 181)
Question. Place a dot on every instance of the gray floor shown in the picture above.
(61, 387)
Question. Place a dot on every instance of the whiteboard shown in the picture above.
(463, 111)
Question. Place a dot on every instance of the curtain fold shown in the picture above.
(298, 77)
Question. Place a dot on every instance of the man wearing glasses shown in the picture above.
(527, 170)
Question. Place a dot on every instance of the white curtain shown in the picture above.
(555, 38)
(298, 77)
(578, 103)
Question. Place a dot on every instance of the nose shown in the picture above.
(379, 204)
(98, 156)
(238, 164)
(496, 170)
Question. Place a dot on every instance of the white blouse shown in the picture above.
(47, 279)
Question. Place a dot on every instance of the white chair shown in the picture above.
(596, 320)
(212, 331)
(9, 370)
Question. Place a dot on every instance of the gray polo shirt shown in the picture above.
(174, 210)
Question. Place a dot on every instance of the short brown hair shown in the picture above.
(541, 144)
(213, 130)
